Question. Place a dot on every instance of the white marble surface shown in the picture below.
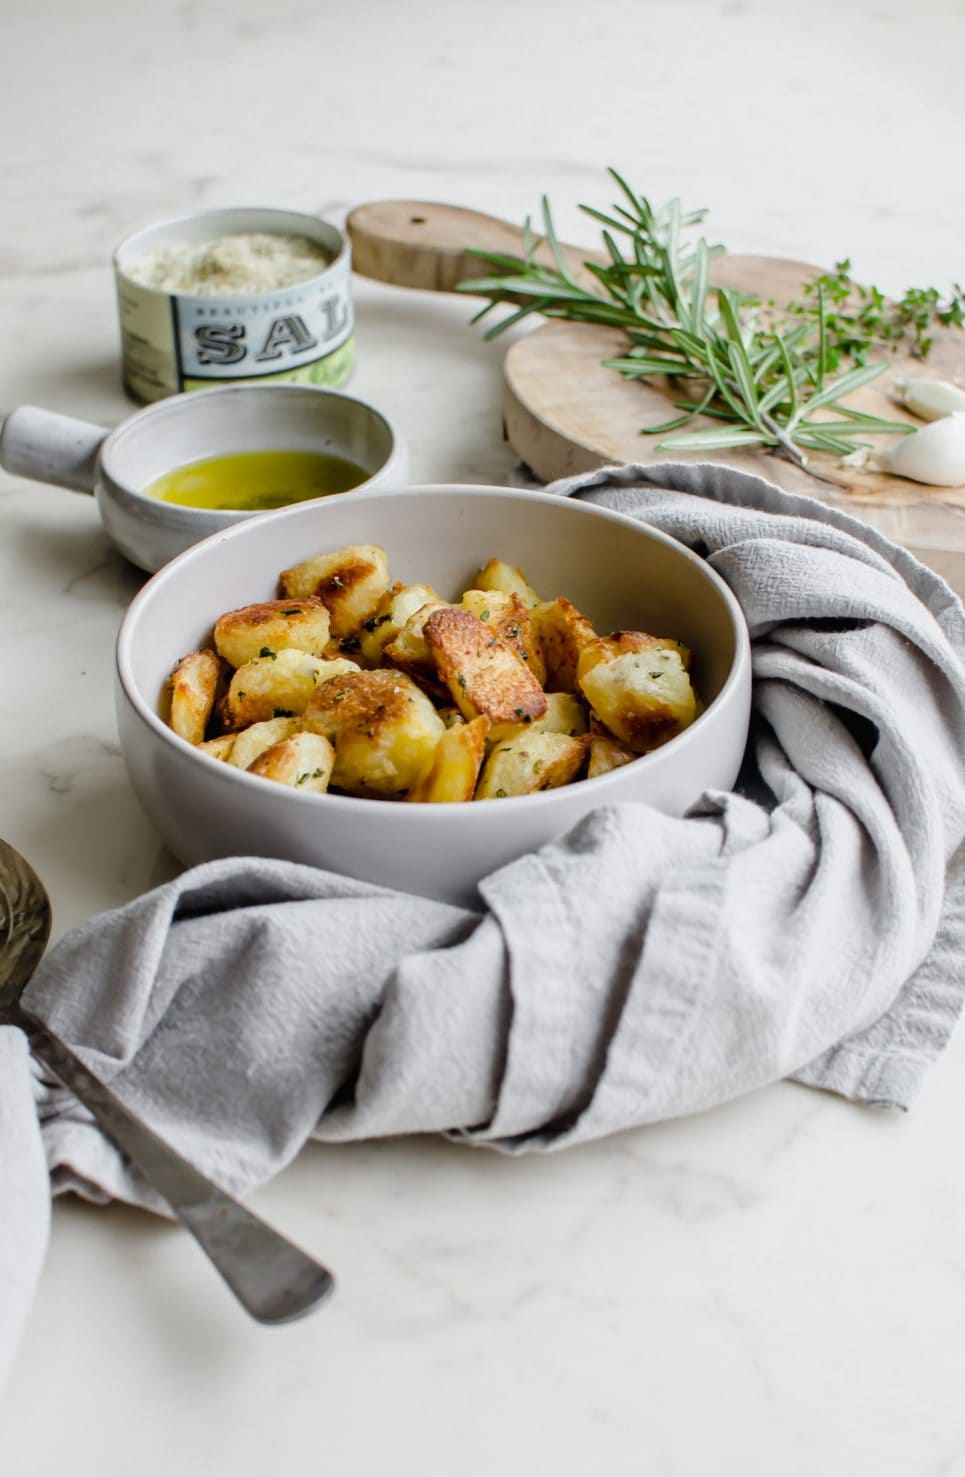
(775, 1287)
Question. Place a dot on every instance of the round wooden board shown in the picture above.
(565, 412)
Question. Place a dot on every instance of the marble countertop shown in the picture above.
(774, 1287)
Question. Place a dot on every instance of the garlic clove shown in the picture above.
(934, 455)
(930, 400)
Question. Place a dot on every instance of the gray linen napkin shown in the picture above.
(811, 924)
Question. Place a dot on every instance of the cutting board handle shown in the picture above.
(422, 243)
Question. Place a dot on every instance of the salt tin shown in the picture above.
(172, 341)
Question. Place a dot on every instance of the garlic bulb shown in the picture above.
(931, 399)
(935, 454)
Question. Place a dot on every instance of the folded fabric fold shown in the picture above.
(641, 967)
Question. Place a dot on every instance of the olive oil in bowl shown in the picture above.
(256, 481)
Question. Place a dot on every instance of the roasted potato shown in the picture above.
(564, 714)
(530, 762)
(482, 672)
(563, 633)
(272, 626)
(642, 694)
(304, 761)
(277, 686)
(389, 617)
(384, 729)
(194, 689)
(455, 765)
(257, 737)
(497, 575)
(351, 582)
(219, 748)
(509, 618)
(605, 648)
(409, 651)
(605, 754)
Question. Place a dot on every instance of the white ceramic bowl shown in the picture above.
(621, 574)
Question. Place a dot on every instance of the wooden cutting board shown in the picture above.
(565, 413)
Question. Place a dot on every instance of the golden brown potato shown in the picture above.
(258, 737)
(218, 748)
(272, 626)
(563, 633)
(643, 694)
(530, 762)
(389, 617)
(564, 714)
(455, 765)
(277, 686)
(304, 761)
(605, 754)
(605, 648)
(385, 731)
(497, 575)
(509, 618)
(351, 582)
(194, 690)
(409, 651)
(483, 673)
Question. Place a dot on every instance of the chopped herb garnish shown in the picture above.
(501, 795)
(295, 610)
(283, 713)
(267, 651)
(485, 615)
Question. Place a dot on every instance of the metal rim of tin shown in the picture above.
(163, 354)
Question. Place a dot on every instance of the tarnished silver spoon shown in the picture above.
(271, 1278)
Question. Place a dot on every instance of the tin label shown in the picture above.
(236, 338)
(301, 333)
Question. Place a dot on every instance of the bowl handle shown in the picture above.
(51, 448)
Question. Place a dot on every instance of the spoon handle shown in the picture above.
(271, 1278)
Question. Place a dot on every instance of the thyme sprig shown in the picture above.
(768, 374)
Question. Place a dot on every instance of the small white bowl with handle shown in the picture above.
(117, 466)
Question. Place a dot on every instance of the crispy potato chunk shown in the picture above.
(482, 672)
(564, 714)
(351, 582)
(409, 650)
(563, 633)
(605, 754)
(389, 617)
(455, 765)
(218, 748)
(257, 737)
(304, 761)
(277, 686)
(194, 689)
(530, 762)
(385, 731)
(605, 648)
(643, 694)
(497, 575)
(509, 618)
(273, 625)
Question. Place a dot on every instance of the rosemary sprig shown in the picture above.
(770, 375)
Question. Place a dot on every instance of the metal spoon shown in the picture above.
(272, 1279)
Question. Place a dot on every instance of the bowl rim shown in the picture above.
(353, 804)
